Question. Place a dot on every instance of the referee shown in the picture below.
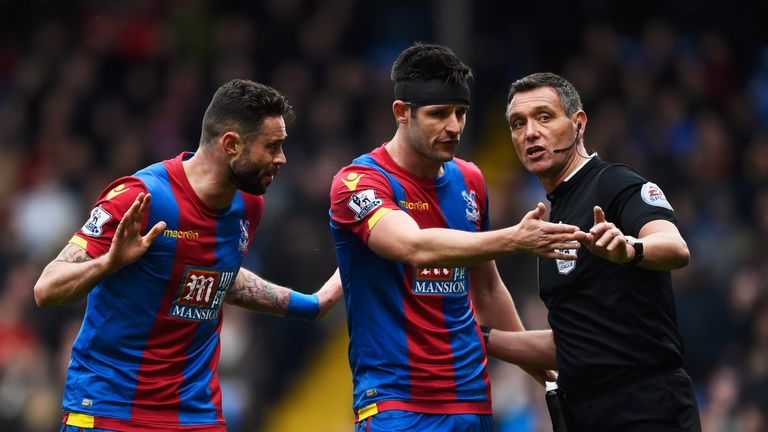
(612, 310)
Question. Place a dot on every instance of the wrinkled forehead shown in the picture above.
(532, 101)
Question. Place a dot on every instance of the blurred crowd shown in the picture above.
(91, 91)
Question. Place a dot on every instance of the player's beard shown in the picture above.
(249, 177)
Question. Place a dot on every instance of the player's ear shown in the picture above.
(401, 110)
(231, 143)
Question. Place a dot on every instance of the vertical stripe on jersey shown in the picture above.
(379, 276)
(464, 343)
(170, 338)
(227, 236)
(130, 310)
(429, 350)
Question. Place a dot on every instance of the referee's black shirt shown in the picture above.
(611, 323)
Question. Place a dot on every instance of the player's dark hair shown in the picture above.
(566, 92)
(241, 106)
(423, 61)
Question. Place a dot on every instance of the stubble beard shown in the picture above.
(247, 178)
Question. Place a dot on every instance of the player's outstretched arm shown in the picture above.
(396, 236)
(74, 273)
(253, 292)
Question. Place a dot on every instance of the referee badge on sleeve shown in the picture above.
(653, 195)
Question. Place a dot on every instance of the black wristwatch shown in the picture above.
(638, 245)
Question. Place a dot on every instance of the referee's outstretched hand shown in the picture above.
(607, 241)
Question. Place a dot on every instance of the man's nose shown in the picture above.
(454, 124)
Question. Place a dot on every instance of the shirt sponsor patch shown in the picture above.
(98, 218)
(440, 280)
(653, 195)
(363, 203)
(201, 293)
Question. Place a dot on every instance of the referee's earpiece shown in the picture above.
(575, 140)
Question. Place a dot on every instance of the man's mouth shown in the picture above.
(534, 151)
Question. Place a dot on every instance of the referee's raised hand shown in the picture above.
(606, 240)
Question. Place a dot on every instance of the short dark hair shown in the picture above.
(566, 92)
(241, 106)
(423, 61)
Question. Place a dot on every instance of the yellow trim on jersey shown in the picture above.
(365, 412)
(79, 241)
(378, 214)
(80, 420)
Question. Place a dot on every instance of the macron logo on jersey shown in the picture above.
(201, 294)
(440, 280)
(119, 189)
(352, 180)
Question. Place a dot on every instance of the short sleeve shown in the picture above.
(96, 234)
(633, 200)
(360, 196)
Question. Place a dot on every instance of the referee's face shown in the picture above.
(539, 126)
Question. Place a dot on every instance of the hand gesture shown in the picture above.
(128, 245)
(330, 293)
(547, 239)
(607, 241)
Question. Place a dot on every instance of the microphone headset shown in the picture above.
(575, 140)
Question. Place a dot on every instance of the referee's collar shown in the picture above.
(574, 178)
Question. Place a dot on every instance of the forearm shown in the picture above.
(255, 293)
(447, 247)
(397, 237)
(67, 281)
(663, 251)
(529, 349)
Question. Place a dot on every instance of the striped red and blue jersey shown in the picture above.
(146, 354)
(414, 343)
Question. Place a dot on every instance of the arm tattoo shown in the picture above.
(73, 254)
(70, 254)
(252, 292)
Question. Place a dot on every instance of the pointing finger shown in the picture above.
(599, 215)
